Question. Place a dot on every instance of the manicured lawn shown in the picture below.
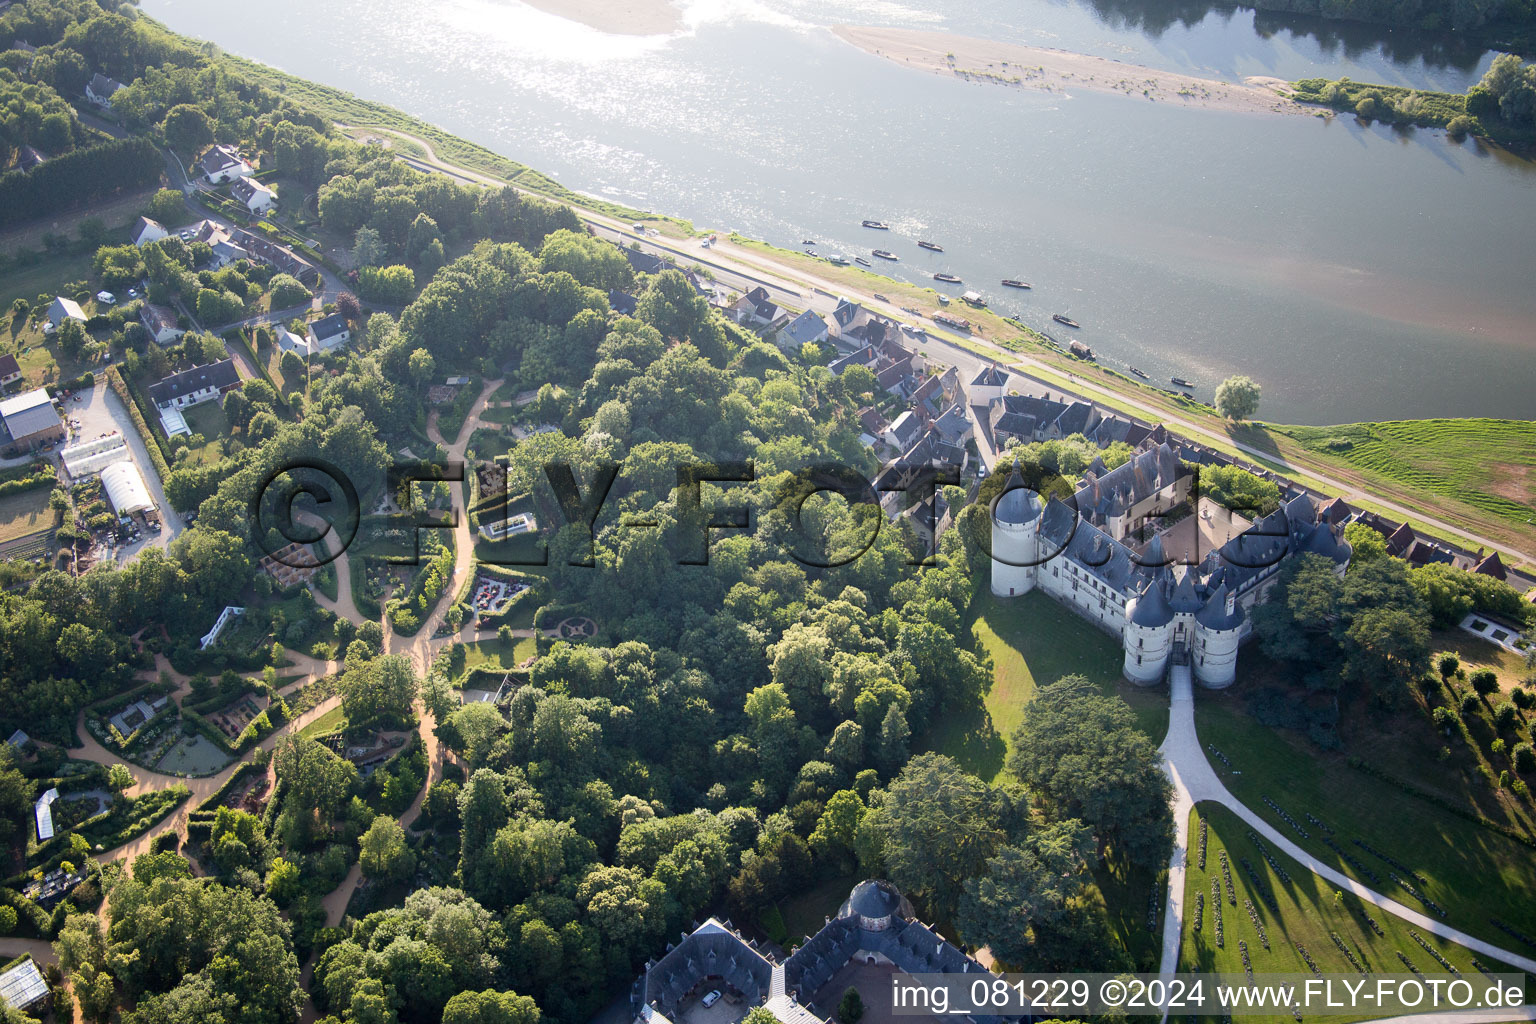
(208, 419)
(494, 654)
(1033, 640)
(331, 721)
(46, 276)
(1307, 915)
(24, 514)
(1474, 872)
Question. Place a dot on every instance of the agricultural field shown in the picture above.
(24, 514)
(1308, 920)
(1483, 467)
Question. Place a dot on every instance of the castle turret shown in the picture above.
(1147, 635)
(1015, 538)
(1218, 628)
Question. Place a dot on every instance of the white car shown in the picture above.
(106, 298)
(710, 999)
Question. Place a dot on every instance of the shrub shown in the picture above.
(1367, 107)
(1484, 681)
(1505, 716)
(1469, 704)
(1523, 699)
(1447, 664)
(1524, 759)
(1461, 126)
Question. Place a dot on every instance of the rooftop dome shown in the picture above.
(1151, 609)
(1215, 616)
(1019, 504)
(872, 900)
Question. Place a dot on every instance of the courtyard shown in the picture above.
(873, 981)
(192, 755)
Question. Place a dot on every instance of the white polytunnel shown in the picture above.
(125, 488)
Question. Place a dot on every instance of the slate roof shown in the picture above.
(221, 375)
(1018, 503)
(1142, 476)
(1185, 600)
(643, 262)
(805, 327)
(218, 158)
(328, 327)
(101, 85)
(991, 377)
(1088, 546)
(1215, 615)
(1490, 566)
(905, 429)
(954, 425)
(1151, 609)
(28, 413)
(622, 303)
(8, 365)
(244, 188)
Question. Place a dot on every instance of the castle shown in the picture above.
(874, 933)
(1165, 609)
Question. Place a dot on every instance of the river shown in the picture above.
(1357, 272)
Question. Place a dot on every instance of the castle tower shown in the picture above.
(1148, 635)
(1218, 627)
(1015, 538)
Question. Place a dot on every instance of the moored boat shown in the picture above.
(1181, 382)
(809, 241)
(947, 278)
(885, 254)
(1065, 320)
(1009, 282)
(1138, 373)
(861, 261)
(837, 261)
(930, 246)
(974, 299)
(878, 225)
(1080, 350)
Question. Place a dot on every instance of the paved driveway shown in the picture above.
(100, 411)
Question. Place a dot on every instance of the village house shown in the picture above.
(329, 332)
(31, 421)
(223, 163)
(100, 89)
(161, 322)
(988, 386)
(255, 196)
(903, 430)
(146, 231)
(192, 387)
(757, 311)
(64, 309)
(805, 329)
(10, 370)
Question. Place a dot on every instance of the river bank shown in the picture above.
(1060, 71)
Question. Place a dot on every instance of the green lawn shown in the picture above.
(1474, 872)
(1033, 639)
(1485, 463)
(46, 276)
(329, 722)
(1308, 915)
(207, 419)
(24, 514)
(494, 654)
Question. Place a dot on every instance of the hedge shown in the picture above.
(42, 475)
(151, 441)
(215, 799)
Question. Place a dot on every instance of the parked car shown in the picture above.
(710, 999)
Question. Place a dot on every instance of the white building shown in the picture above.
(989, 385)
(100, 89)
(329, 332)
(161, 322)
(257, 197)
(64, 309)
(43, 811)
(223, 163)
(195, 386)
(125, 489)
(146, 231)
(91, 457)
(212, 636)
(1193, 614)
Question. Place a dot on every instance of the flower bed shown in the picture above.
(1226, 874)
(1199, 911)
(1259, 887)
(1287, 818)
(1432, 951)
(1275, 865)
(1409, 964)
(1253, 915)
(1216, 912)
(1349, 954)
(1353, 862)
(1204, 829)
(1308, 958)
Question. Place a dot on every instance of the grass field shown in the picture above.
(1474, 872)
(494, 654)
(207, 419)
(1031, 640)
(1308, 915)
(24, 514)
(1488, 466)
(329, 722)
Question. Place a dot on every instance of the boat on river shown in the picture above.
(930, 246)
(1065, 320)
(1080, 350)
(1138, 373)
(1009, 282)
(837, 261)
(878, 225)
(885, 255)
(947, 278)
(1181, 382)
(861, 261)
(809, 241)
(974, 299)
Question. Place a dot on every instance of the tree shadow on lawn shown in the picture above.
(968, 736)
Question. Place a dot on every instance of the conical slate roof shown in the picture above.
(1018, 504)
(1151, 609)
(1214, 614)
(1185, 600)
